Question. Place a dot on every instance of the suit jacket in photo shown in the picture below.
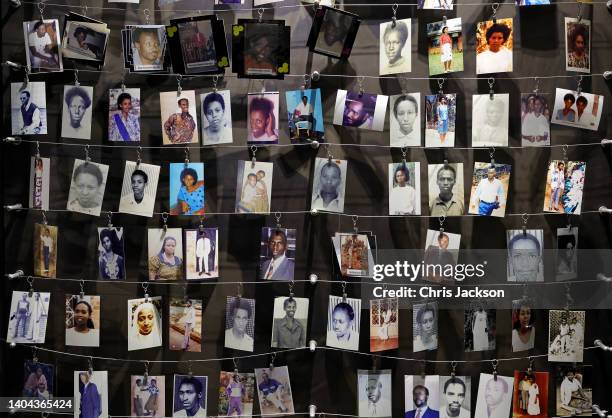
(90, 402)
(284, 271)
(429, 413)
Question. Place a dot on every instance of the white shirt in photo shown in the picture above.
(402, 200)
(488, 191)
(518, 344)
(352, 343)
(87, 339)
(494, 62)
(567, 387)
(39, 45)
(231, 341)
(128, 204)
(303, 110)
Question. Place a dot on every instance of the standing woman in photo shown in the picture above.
(442, 118)
(480, 330)
(446, 46)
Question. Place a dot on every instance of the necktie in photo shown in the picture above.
(270, 270)
(418, 414)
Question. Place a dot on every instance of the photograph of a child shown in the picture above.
(254, 187)
(262, 122)
(187, 188)
(445, 46)
(440, 114)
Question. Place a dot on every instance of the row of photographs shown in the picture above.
(421, 4)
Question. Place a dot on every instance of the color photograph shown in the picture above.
(445, 46)
(39, 380)
(45, 250)
(179, 117)
(165, 254)
(254, 187)
(535, 119)
(440, 114)
(262, 123)
(145, 323)
(360, 110)
(577, 45)
(421, 396)
(185, 321)
(236, 394)
(186, 188)
(305, 115)
(489, 189)
(494, 43)
(148, 396)
(530, 394)
(83, 320)
(42, 45)
(384, 324)
(564, 186)
(40, 172)
(578, 110)
(90, 394)
(274, 391)
(201, 253)
(124, 115)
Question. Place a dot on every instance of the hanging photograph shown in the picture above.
(566, 246)
(85, 41)
(395, 47)
(39, 380)
(374, 393)
(42, 45)
(405, 188)
(421, 396)
(179, 117)
(201, 253)
(148, 46)
(328, 185)
(405, 120)
(523, 328)
(440, 114)
(305, 115)
(445, 45)
(435, 5)
(479, 327)
(490, 118)
(262, 123)
(28, 108)
(28, 317)
(274, 391)
(40, 172)
(236, 394)
(289, 322)
(525, 255)
(360, 110)
(494, 43)
(165, 254)
(490, 183)
(82, 320)
(45, 250)
(111, 253)
(219, 2)
(455, 395)
(384, 324)
(574, 390)
(148, 396)
(189, 396)
(76, 113)
(124, 115)
(343, 322)
(532, 2)
(579, 110)
(494, 399)
(277, 254)
(446, 189)
(354, 254)
(566, 336)
(239, 323)
(333, 32)
(216, 117)
(564, 187)
(441, 253)
(254, 187)
(90, 394)
(185, 324)
(530, 398)
(87, 187)
(535, 119)
(577, 45)
(145, 323)
(424, 326)
(139, 188)
(186, 188)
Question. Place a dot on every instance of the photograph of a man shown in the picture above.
(189, 396)
(276, 264)
(328, 185)
(525, 255)
(239, 323)
(446, 190)
(454, 391)
(420, 396)
(289, 322)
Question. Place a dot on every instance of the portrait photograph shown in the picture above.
(523, 328)
(139, 188)
(111, 253)
(405, 120)
(441, 249)
(445, 45)
(262, 123)
(564, 186)
(236, 394)
(85, 41)
(530, 397)
(384, 324)
(374, 393)
(189, 396)
(263, 44)
(333, 32)
(40, 172)
(424, 326)
(124, 115)
(148, 396)
(494, 43)
(42, 45)
(216, 117)
(421, 396)
(277, 251)
(455, 396)
(535, 119)
(87, 187)
(305, 115)
(446, 189)
(566, 246)
(577, 45)
(45, 250)
(354, 254)
(185, 324)
(239, 323)
(38, 380)
(165, 254)
(82, 319)
(145, 323)
(574, 390)
(254, 187)
(490, 118)
(329, 182)
(435, 4)
(489, 189)
(395, 47)
(28, 108)
(186, 188)
(76, 113)
(566, 336)
(274, 391)
(405, 188)
(579, 110)
(90, 394)
(343, 322)
(148, 46)
(525, 255)
(179, 117)
(494, 399)
(290, 322)
(440, 115)
(360, 110)
(201, 253)
(479, 327)
(28, 317)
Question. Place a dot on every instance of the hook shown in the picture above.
(110, 219)
(394, 18)
(404, 150)
(260, 13)
(525, 218)
(494, 363)
(253, 159)
(145, 287)
(44, 217)
(41, 8)
(31, 283)
(147, 15)
(537, 85)
(37, 155)
(179, 88)
(138, 159)
(491, 82)
(87, 158)
(343, 291)
(565, 147)
(360, 81)
(579, 88)
(82, 285)
(355, 219)
(453, 364)
(215, 79)
(494, 6)
(277, 215)
(164, 216)
(491, 154)
(186, 156)
(440, 85)
(76, 77)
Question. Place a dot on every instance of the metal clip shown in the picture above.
(579, 87)
(76, 77)
(441, 220)
(491, 154)
(404, 151)
(272, 357)
(186, 156)
(441, 82)
(494, 6)
(525, 219)
(90, 366)
(530, 368)
(41, 8)
(44, 217)
(82, 293)
(494, 363)
(329, 154)
(253, 159)
(87, 157)
(145, 287)
(164, 216)
(291, 284)
(355, 218)
(343, 291)
(110, 219)
(179, 88)
(147, 15)
(189, 370)
(394, 18)
(491, 82)
(37, 155)
(201, 226)
(565, 147)
(537, 85)
(26, 76)
(239, 290)
(215, 79)
(277, 216)
(453, 368)
(30, 280)
(235, 365)
(138, 159)
(579, 17)
(34, 354)
(360, 81)
(260, 13)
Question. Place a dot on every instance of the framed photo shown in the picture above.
(290, 322)
(525, 255)
(85, 41)
(28, 108)
(479, 328)
(374, 393)
(254, 187)
(490, 118)
(446, 189)
(45, 250)
(421, 392)
(40, 172)
(360, 110)
(328, 185)
(274, 390)
(305, 115)
(42, 45)
(574, 390)
(148, 47)
(494, 43)
(440, 115)
(76, 116)
(147, 396)
(83, 320)
(277, 254)
(435, 4)
(333, 32)
(87, 187)
(566, 260)
(145, 323)
(441, 250)
(343, 322)
(201, 253)
(523, 328)
(579, 110)
(490, 183)
(564, 186)
(111, 253)
(577, 45)
(236, 394)
(384, 324)
(179, 117)
(494, 397)
(239, 323)
(395, 47)
(535, 119)
(455, 395)
(185, 324)
(262, 123)
(186, 188)
(445, 45)
(566, 336)
(405, 188)
(139, 188)
(189, 397)
(216, 117)
(165, 254)
(38, 380)
(28, 317)
(124, 115)
(91, 393)
(405, 120)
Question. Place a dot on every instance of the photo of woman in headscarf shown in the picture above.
(145, 323)
(165, 265)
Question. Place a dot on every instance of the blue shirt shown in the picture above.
(194, 199)
(268, 387)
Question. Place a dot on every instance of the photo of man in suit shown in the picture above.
(420, 395)
(278, 266)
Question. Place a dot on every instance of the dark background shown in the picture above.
(325, 378)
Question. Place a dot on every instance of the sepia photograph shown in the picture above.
(186, 188)
(523, 328)
(236, 394)
(574, 391)
(87, 187)
(76, 114)
(40, 172)
(277, 254)
(455, 396)
(494, 43)
(566, 336)
(262, 123)
(239, 323)
(185, 324)
(274, 391)
(254, 187)
(405, 120)
(424, 326)
(525, 255)
(28, 108)
(90, 394)
(216, 117)
(42, 45)
(328, 185)
(494, 399)
(535, 119)
(39, 380)
(446, 189)
(405, 188)
(28, 316)
(201, 253)
(111, 253)
(139, 188)
(360, 110)
(440, 114)
(289, 322)
(479, 327)
(564, 186)
(355, 254)
(489, 189)
(577, 45)
(343, 322)
(189, 396)
(165, 254)
(82, 319)
(124, 115)
(421, 396)
(445, 46)
(374, 393)
(305, 115)
(179, 117)
(45, 250)
(395, 47)
(145, 323)
(566, 246)
(490, 119)
(384, 324)
(148, 396)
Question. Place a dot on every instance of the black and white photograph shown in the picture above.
(479, 327)
(165, 254)
(424, 326)
(28, 108)
(494, 44)
(566, 254)
(28, 317)
(490, 118)
(577, 45)
(139, 188)
(179, 117)
(111, 253)
(535, 119)
(574, 391)
(274, 390)
(455, 396)
(489, 189)
(40, 172)
(144, 323)
(82, 320)
(90, 394)
(395, 47)
(523, 328)
(262, 123)
(201, 253)
(435, 4)
(189, 396)
(216, 117)
(421, 396)
(254, 187)
(441, 252)
(494, 399)
(446, 189)
(77, 110)
(42, 45)
(360, 110)
(124, 115)
(405, 188)
(405, 120)
(290, 322)
(343, 322)
(566, 336)
(384, 324)
(440, 114)
(445, 46)
(374, 393)
(305, 115)
(45, 250)
(185, 324)
(148, 47)
(85, 41)
(277, 254)
(239, 323)
(333, 32)
(578, 110)
(38, 380)
(525, 255)
(328, 185)
(87, 187)
(148, 396)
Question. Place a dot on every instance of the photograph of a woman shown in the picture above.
(179, 123)
(395, 47)
(343, 321)
(139, 188)
(216, 117)
(144, 319)
(479, 328)
(83, 320)
(187, 188)
(523, 330)
(445, 46)
(577, 45)
(45, 250)
(262, 123)
(76, 116)
(405, 120)
(494, 46)
(87, 187)
(490, 119)
(39, 381)
(124, 115)
(440, 113)
(165, 254)
(384, 324)
(404, 188)
(111, 261)
(530, 394)
(425, 327)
